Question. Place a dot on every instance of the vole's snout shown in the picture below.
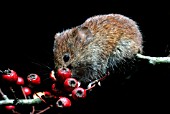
(70, 66)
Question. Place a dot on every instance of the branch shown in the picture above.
(154, 60)
(21, 101)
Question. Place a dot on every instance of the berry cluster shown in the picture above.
(64, 88)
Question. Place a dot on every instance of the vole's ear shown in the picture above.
(85, 35)
(56, 35)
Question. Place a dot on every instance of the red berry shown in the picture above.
(70, 84)
(34, 79)
(78, 93)
(10, 75)
(53, 87)
(46, 93)
(27, 91)
(20, 81)
(63, 73)
(63, 102)
(10, 107)
(52, 76)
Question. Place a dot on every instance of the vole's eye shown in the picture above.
(66, 57)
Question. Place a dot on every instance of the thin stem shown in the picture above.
(12, 90)
(3, 95)
(15, 112)
(33, 110)
(40, 97)
(23, 93)
(42, 111)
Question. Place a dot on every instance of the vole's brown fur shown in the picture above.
(100, 43)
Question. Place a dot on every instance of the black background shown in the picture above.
(27, 32)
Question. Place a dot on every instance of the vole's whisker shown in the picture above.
(42, 65)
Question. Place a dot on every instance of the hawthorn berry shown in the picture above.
(63, 102)
(47, 93)
(20, 81)
(27, 91)
(34, 79)
(78, 93)
(70, 84)
(10, 75)
(9, 107)
(63, 73)
(53, 88)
